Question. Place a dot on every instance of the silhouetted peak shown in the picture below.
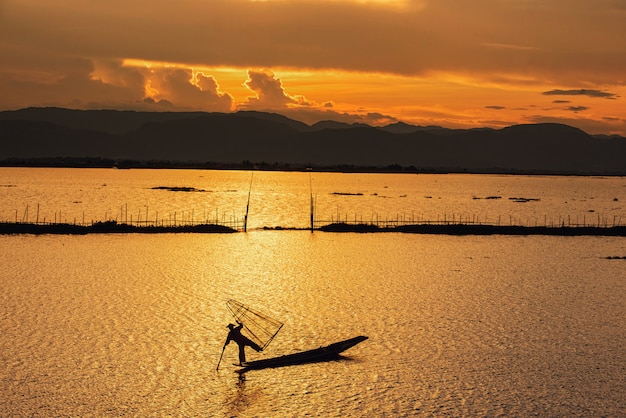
(332, 124)
(405, 128)
(545, 129)
(270, 138)
(274, 117)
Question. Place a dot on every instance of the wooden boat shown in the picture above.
(325, 353)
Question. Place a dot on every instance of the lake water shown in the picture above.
(133, 324)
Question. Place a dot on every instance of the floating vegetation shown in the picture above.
(178, 189)
(487, 198)
(108, 227)
(616, 257)
(477, 229)
(523, 199)
(346, 227)
(347, 194)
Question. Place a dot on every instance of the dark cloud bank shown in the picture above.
(582, 92)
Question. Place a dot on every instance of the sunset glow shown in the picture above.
(421, 62)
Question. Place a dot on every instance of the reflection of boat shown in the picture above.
(328, 352)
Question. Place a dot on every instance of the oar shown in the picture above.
(220, 360)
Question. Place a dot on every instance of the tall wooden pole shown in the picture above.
(312, 209)
(245, 219)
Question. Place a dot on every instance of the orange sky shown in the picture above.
(452, 63)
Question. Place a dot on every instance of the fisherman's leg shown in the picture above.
(254, 345)
(242, 353)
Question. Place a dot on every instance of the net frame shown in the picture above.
(257, 326)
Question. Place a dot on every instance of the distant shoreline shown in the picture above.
(112, 227)
(263, 166)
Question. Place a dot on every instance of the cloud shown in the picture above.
(577, 109)
(180, 87)
(495, 107)
(485, 37)
(378, 119)
(496, 123)
(416, 52)
(72, 82)
(164, 104)
(84, 83)
(311, 115)
(270, 93)
(507, 46)
(581, 92)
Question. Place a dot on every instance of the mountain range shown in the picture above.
(56, 136)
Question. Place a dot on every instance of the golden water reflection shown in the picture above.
(130, 324)
(133, 324)
(283, 199)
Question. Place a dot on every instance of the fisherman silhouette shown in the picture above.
(242, 341)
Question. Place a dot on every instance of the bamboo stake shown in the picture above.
(245, 219)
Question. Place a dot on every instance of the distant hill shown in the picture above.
(30, 136)
(332, 124)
